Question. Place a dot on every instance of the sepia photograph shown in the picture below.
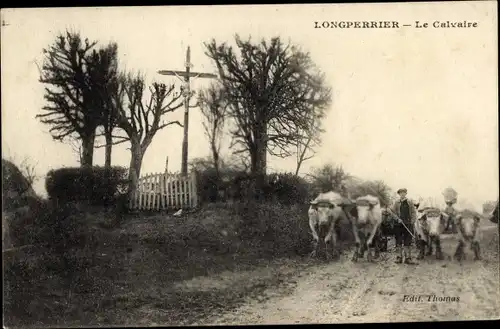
(250, 164)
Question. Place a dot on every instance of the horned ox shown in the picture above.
(467, 224)
(324, 214)
(428, 229)
(366, 225)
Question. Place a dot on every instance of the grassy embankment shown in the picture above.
(130, 274)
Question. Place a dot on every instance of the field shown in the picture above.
(199, 269)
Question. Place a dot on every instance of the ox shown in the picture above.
(467, 224)
(366, 225)
(324, 214)
(385, 231)
(428, 229)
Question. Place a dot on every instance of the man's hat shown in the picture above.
(402, 190)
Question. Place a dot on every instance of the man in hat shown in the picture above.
(407, 215)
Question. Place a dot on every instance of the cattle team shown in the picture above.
(406, 221)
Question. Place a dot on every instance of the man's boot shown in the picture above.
(477, 250)
(421, 247)
(459, 252)
(399, 253)
(439, 252)
(408, 259)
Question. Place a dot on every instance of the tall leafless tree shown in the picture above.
(71, 108)
(213, 108)
(271, 89)
(140, 120)
(103, 73)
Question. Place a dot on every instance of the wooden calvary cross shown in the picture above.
(186, 76)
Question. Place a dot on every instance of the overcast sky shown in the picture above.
(416, 108)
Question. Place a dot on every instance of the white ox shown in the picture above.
(467, 223)
(428, 227)
(324, 214)
(366, 225)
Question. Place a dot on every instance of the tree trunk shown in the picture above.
(109, 146)
(299, 164)
(259, 153)
(88, 150)
(259, 166)
(301, 155)
(216, 159)
(218, 180)
(135, 167)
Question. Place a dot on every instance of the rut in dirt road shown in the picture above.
(344, 291)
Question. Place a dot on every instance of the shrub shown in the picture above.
(96, 185)
(375, 188)
(16, 187)
(236, 185)
(288, 188)
(228, 184)
(240, 186)
(280, 230)
(41, 223)
(25, 223)
(275, 229)
(216, 186)
(329, 177)
(208, 185)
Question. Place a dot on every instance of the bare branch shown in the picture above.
(114, 143)
(213, 107)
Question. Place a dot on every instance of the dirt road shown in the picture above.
(344, 291)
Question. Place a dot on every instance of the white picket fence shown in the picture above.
(164, 191)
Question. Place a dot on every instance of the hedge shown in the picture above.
(95, 185)
(288, 188)
(284, 188)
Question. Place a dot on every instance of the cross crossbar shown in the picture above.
(188, 74)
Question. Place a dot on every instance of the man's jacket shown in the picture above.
(396, 208)
(450, 210)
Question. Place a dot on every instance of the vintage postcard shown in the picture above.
(250, 164)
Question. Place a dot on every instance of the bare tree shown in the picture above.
(271, 89)
(71, 108)
(139, 120)
(28, 169)
(213, 108)
(103, 72)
